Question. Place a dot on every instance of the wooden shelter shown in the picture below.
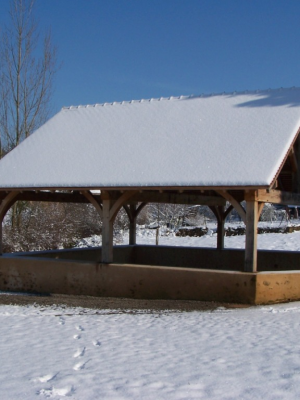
(205, 150)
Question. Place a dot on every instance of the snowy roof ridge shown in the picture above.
(181, 97)
(127, 102)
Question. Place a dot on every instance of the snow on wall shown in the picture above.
(235, 139)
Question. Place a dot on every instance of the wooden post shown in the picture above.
(1, 238)
(107, 233)
(221, 216)
(251, 236)
(132, 225)
(220, 233)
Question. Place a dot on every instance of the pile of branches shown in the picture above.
(192, 232)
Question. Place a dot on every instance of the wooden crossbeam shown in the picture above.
(261, 195)
(274, 196)
(56, 197)
(178, 198)
(138, 197)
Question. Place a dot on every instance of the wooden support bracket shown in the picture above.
(234, 203)
(7, 202)
(120, 202)
(88, 195)
(5, 205)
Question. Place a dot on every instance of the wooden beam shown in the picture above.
(55, 197)
(177, 198)
(274, 196)
(143, 196)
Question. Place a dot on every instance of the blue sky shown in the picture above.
(114, 50)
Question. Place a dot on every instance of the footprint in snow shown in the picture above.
(46, 378)
(79, 366)
(61, 321)
(79, 328)
(76, 337)
(51, 392)
(79, 353)
(96, 343)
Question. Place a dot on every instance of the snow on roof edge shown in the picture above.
(202, 95)
(275, 175)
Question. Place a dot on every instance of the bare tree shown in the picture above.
(172, 215)
(27, 68)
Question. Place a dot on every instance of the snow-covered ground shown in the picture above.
(58, 352)
(272, 241)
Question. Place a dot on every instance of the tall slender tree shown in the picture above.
(27, 68)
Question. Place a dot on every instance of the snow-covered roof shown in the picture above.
(224, 140)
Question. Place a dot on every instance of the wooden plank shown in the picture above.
(251, 237)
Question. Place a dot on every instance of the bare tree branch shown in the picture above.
(26, 76)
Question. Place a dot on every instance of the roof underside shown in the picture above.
(228, 140)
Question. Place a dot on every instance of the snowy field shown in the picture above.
(272, 241)
(58, 352)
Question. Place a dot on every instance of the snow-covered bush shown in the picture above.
(45, 226)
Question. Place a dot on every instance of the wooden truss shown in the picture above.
(109, 202)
